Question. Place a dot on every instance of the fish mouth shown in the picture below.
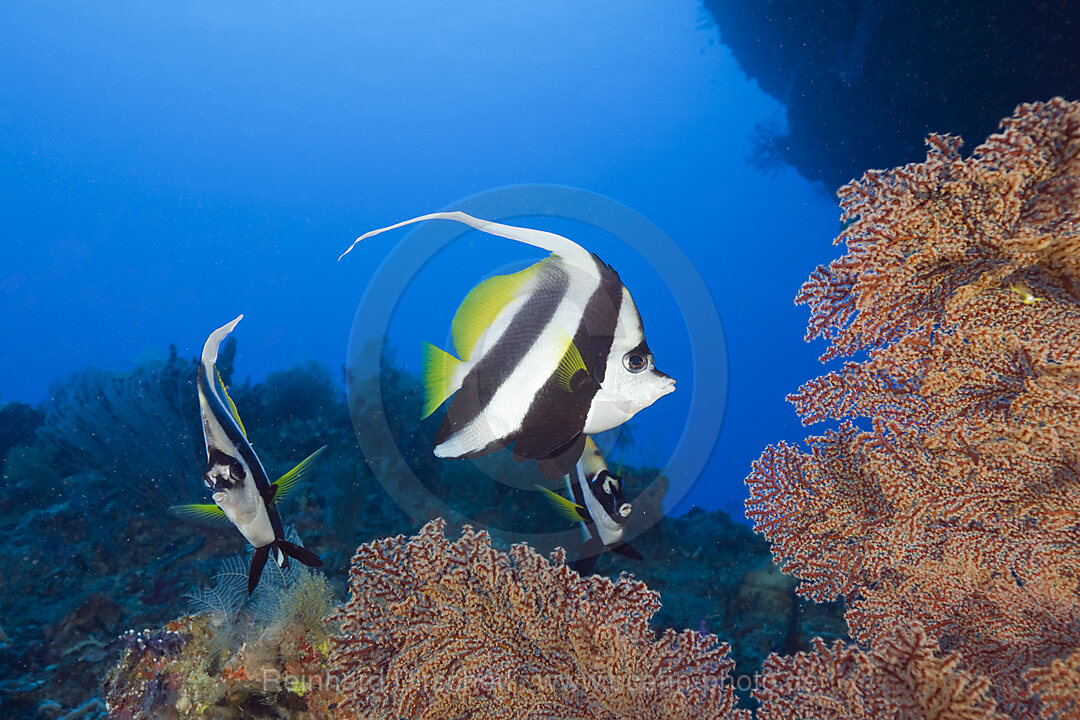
(219, 497)
(668, 385)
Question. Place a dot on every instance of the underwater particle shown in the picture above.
(549, 355)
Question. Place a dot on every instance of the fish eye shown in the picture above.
(635, 362)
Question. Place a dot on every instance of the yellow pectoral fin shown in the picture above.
(566, 508)
(206, 513)
(439, 368)
(287, 482)
(570, 364)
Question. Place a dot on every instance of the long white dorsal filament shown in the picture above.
(210, 349)
(565, 248)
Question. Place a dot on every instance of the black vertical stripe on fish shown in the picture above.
(596, 332)
(551, 429)
(498, 363)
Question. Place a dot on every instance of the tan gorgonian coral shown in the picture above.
(905, 676)
(435, 629)
(949, 495)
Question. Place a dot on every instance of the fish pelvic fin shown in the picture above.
(258, 562)
(299, 553)
(627, 551)
(439, 370)
(288, 482)
(565, 248)
(590, 552)
(566, 508)
(203, 513)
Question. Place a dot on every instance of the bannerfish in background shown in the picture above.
(549, 355)
(598, 504)
(242, 492)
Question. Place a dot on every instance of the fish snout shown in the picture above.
(667, 383)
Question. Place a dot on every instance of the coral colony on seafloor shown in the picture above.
(943, 508)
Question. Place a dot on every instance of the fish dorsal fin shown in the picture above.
(210, 349)
(439, 368)
(567, 375)
(200, 512)
(229, 402)
(482, 305)
(566, 508)
(565, 248)
(287, 482)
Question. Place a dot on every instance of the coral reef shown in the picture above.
(949, 496)
(139, 428)
(714, 574)
(96, 564)
(18, 423)
(438, 629)
(195, 667)
(904, 676)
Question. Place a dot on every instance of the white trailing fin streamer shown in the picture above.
(565, 248)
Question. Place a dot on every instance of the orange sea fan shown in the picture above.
(438, 629)
(950, 493)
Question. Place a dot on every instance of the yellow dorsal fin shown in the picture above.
(232, 405)
(439, 368)
(570, 363)
(200, 512)
(287, 482)
(482, 305)
(566, 508)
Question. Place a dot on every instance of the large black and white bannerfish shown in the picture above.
(242, 492)
(598, 504)
(548, 355)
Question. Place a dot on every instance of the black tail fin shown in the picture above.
(300, 553)
(258, 560)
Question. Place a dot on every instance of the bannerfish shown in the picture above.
(598, 504)
(548, 355)
(242, 492)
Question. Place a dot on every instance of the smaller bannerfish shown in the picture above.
(242, 492)
(598, 504)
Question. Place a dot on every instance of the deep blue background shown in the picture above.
(165, 166)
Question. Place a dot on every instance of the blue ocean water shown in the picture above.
(169, 166)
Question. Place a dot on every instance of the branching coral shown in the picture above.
(906, 676)
(436, 629)
(139, 428)
(949, 495)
